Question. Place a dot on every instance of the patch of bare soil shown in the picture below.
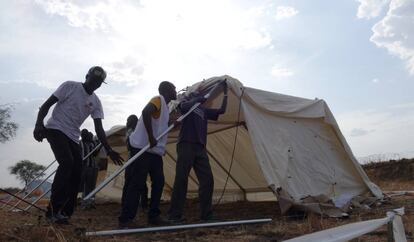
(17, 226)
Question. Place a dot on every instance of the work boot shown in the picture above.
(57, 218)
(210, 219)
(130, 224)
(158, 221)
(177, 221)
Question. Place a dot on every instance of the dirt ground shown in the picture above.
(17, 226)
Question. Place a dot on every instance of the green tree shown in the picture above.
(7, 128)
(26, 171)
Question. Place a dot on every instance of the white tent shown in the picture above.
(286, 146)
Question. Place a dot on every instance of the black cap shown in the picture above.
(97, 72)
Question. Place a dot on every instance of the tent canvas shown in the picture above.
(286, 146)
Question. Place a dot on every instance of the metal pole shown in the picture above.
(20, 199)
(98, 146)
(24, 189)
(34, 189)
(132, 159)
(176, 227)
(228, 173)
(38, 199)
(8, 204)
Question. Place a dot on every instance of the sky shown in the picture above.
(357, 55)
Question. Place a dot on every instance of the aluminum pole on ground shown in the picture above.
(20, 199)
(31, 191)
(8, 204)
(176, 227)
(38, 199)
(34, 189)
(34, 179)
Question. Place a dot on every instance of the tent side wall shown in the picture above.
(300, 147)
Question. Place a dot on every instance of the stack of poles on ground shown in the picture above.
(33, 204)
(28, 185)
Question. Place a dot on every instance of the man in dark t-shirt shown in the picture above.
(89, 168)
(192, 153)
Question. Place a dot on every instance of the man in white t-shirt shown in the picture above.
(153, 122)
(75, 101)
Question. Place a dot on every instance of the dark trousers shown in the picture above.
(192, 156)
(142, 197)
(67, 178)
(89, 174)
(135, 184)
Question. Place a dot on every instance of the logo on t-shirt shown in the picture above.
(89, 106)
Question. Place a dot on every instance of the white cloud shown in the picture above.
(375, 80)
(281, 72)
(183, 23)
(92, 17)
(370, 8)
(128, 71)
(379, 131)
(284, 12)
(395, 32)
(360, 132)
(167, 38)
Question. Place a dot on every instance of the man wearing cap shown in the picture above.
(75, 101)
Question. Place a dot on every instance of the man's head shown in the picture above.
(84, 134)
(132, 121)
(167, 90)
(90, 136)
(94, 78)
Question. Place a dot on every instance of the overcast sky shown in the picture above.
(356, 55)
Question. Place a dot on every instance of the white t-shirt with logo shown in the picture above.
(73, 107)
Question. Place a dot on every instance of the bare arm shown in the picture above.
(146, 115)
(44, 109)
(223, 107)
(39, 132)
(102, 137)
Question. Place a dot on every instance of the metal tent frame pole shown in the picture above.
(34, 179)
(228, 173)
(8, 204)
(21, 200)
(37, 199)
(132, 159)
(177, 227)
(31, 191)
(34, 189)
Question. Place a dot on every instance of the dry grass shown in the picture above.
(29, 227)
